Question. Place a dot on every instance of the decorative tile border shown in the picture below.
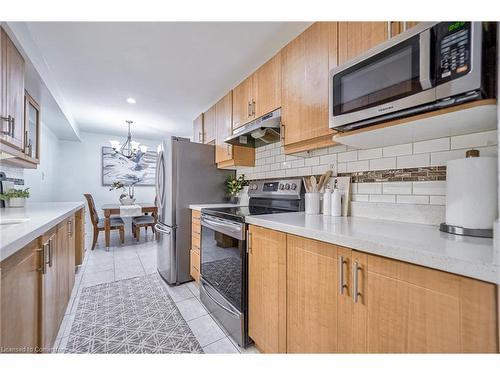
(398, 175)
(16, 181)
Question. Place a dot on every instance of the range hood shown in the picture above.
(259, 132)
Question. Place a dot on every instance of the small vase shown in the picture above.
(244, 197)
(17, 202)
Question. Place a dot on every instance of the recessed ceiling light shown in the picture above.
(131, 101)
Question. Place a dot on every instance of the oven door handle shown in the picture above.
(231, 229)
(229, 311)
(425, 60)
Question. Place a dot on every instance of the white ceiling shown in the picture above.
(174, 70)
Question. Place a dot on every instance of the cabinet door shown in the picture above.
(306, 62)
(209, 125)
(4, 125)
(50, 314)
(352, 314)
(71, 257)
(198, 129)
(267, 289)
(267, 87)
(223, 150)
(358, 37)
(311, 296)
(243, 103)
(20, 288)
(15, 93)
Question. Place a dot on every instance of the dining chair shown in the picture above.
(145, 221)
(116, 223)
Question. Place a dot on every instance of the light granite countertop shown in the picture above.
(42, 217)
(198, 207)
(419, 244)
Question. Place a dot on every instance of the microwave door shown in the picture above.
(396, 78)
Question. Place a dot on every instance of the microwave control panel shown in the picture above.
(453, 50)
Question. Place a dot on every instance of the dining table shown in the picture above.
(114, 209)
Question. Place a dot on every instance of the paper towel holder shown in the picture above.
(461, 231)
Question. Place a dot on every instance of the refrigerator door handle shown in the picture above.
(162, 229)
(160, 181)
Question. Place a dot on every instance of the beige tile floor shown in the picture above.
(135, 259)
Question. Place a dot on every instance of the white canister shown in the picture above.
(336, 203)
(312, 203)
(244, 197)
(327, 202)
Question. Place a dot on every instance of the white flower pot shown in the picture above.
(244, 197)
(127, 201)
(17, 202)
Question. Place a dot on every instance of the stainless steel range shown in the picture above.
(224, 266)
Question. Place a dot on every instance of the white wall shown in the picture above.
(80, 167)
(43, 181)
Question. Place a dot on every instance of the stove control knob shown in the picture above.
(287, 187)
(281, 187)
(293, 186)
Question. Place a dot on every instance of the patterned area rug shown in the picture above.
(130, 316)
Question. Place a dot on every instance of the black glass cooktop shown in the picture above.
(239, 213)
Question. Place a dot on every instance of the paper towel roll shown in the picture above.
(471, 192)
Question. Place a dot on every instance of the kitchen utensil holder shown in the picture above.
(312, 203)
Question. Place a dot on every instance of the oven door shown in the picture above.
(394, 76)
(223, 258)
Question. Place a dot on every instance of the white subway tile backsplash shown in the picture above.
(396, 187)
(412, 199)
(360, 198)
(437, 200)
(372, 153)
(475, 140)
(440, 158)
(381, 164)
(382, 198)
(358, 166)
(320, 152)
(429, 188)
(413, 161)
(336, 149)
(440, 144)
(328, 159)
(354, 187)
(298, 163)
(370, 188)
(304, 171)
(291, 172)
(341, 167)
(404, 149)
(319, 169)
(348, 156)
(270, 160)
(275, 166)
(312, 161)
(279, 158)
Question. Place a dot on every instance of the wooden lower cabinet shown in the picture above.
(400, 307)
(311, 296)
(36, 284)
(267, 289)
(19, 300)
(195, 245)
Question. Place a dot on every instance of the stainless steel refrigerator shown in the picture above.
(186, 174)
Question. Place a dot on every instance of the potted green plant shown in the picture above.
(125, 199)
(15, 197)
(234, 186)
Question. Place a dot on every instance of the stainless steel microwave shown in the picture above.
(433, 65)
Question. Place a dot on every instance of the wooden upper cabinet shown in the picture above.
(243, 103)
(306, 62)
(209, 125)
(12, 92)
(267, 289)
(198, 129)
(312, 273)
(358, 37)
(223, 150)
(267, 87)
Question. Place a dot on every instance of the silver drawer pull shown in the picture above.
(342, 285)
(356, 292)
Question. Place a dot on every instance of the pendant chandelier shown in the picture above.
(130, 149)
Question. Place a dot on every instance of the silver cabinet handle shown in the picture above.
(389, 30)
(50, 252)
(13, 126)
(249, 243)
(342, 285)
(249, 108)
(355, 292)
(404, 26)
(43, 267)
(9, 132)
(253, 107)
(70, 228)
